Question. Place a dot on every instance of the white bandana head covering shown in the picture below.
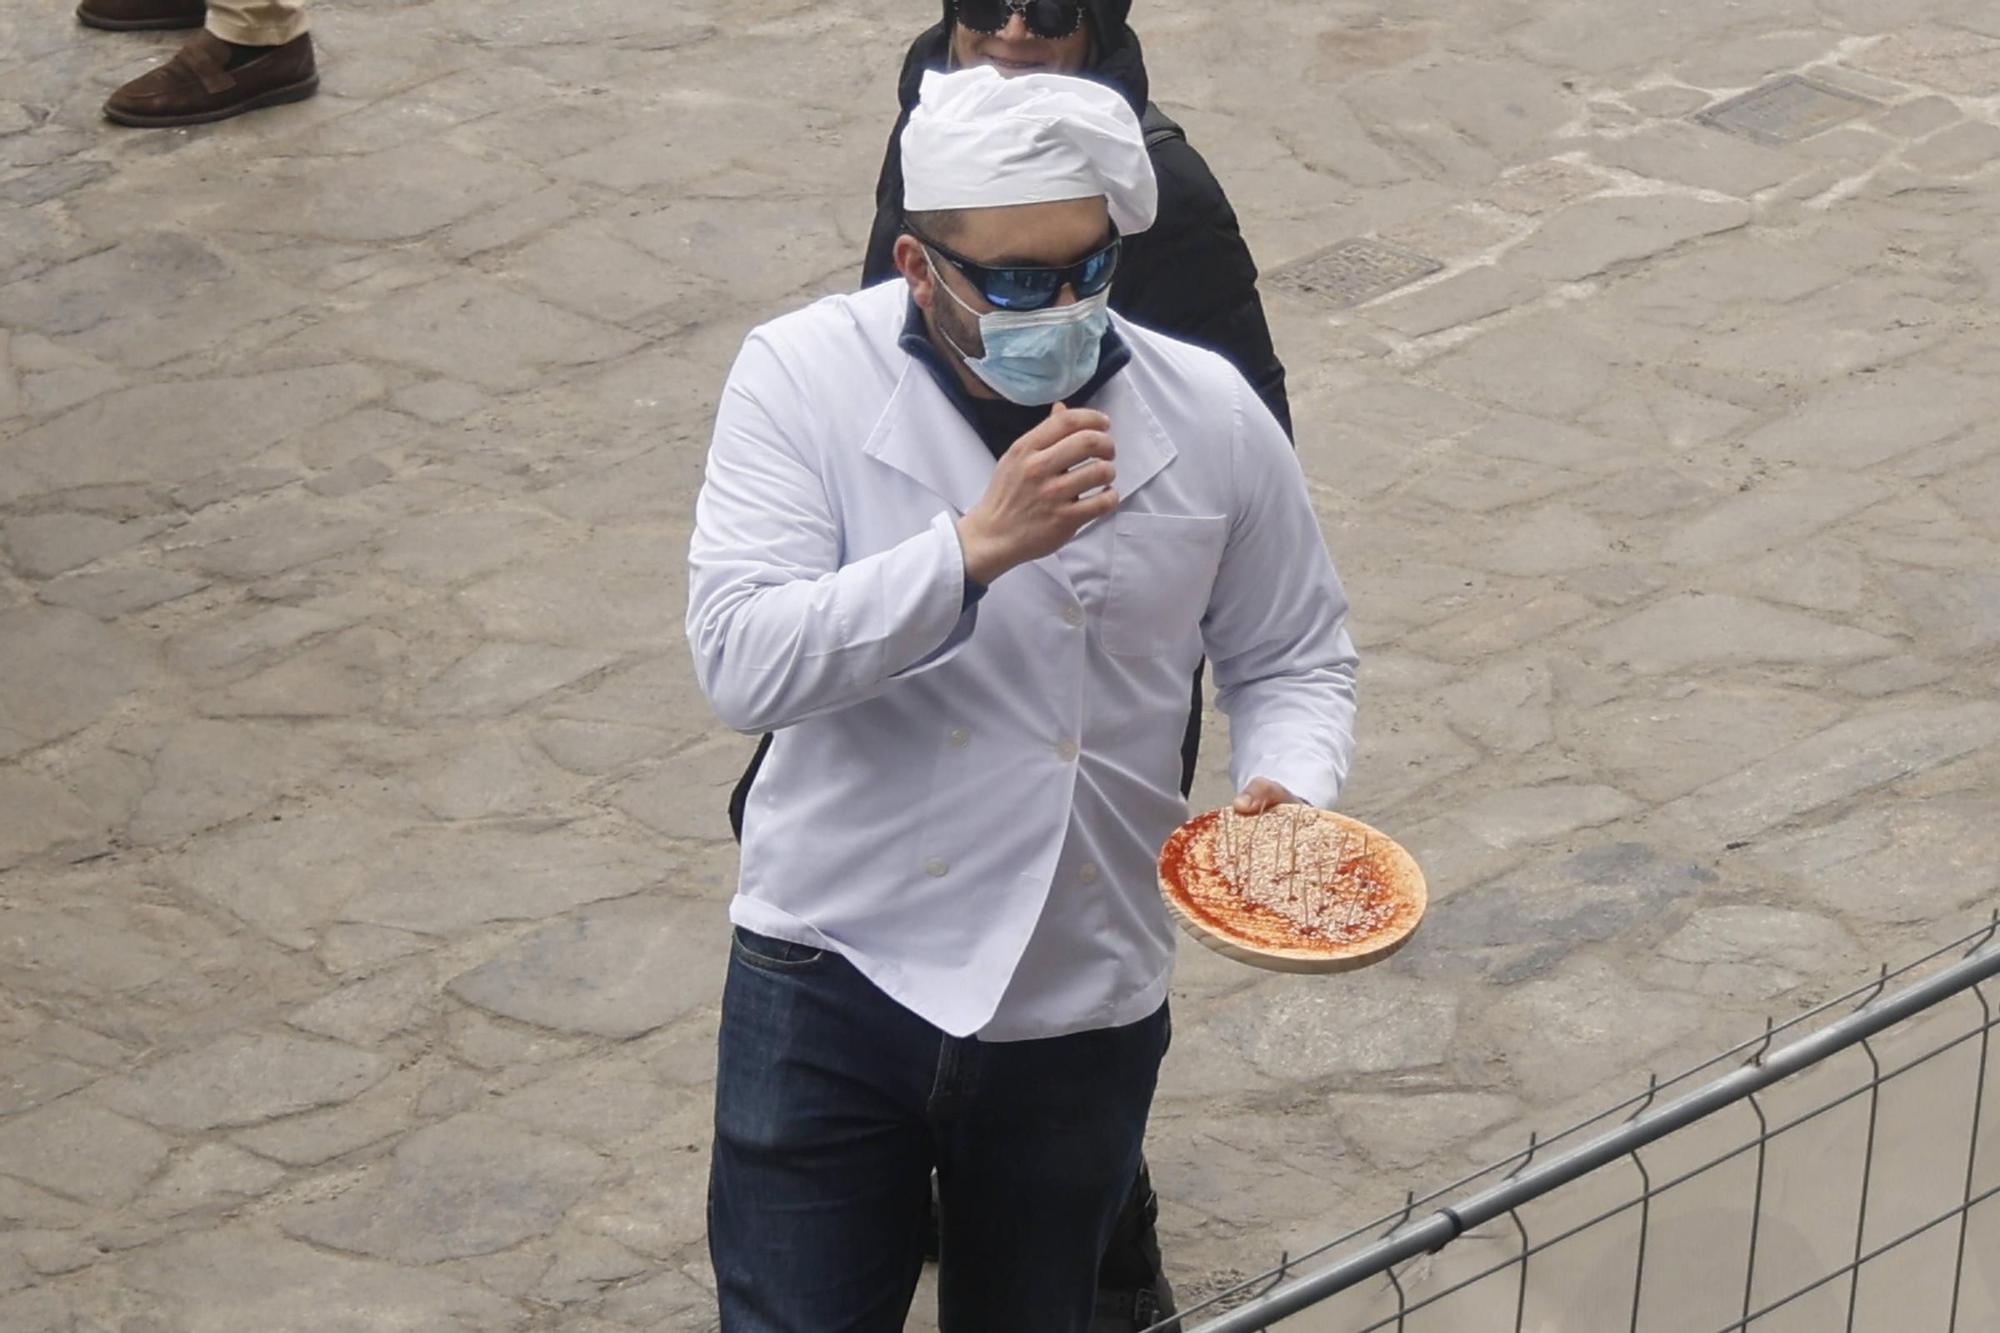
(979, 140)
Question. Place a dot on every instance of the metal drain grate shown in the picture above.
(1785, 110)
(1353, 271)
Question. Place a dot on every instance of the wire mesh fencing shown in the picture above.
(1840, 1173)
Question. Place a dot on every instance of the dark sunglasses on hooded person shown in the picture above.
(1043, 18)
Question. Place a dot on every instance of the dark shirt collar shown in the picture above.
(996, 421)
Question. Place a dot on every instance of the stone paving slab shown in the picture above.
(362, 853)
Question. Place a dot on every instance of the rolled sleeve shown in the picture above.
(968, 593)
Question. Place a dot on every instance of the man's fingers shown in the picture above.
(1093, 507)
(1068, 453)
(1061, 423)
(1260, 795)
(1074, 449)
(1088, 477)
(1079, 418)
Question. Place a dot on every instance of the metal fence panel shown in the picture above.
(1840, 1173)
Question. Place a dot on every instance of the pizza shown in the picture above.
(1294, 889)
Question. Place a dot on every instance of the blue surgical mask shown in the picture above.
(1034, 357)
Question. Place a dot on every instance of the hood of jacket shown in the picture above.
(1115, 57)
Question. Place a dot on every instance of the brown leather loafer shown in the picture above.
(141, 15)
(198, 85)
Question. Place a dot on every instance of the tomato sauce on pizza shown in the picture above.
(1292, 886)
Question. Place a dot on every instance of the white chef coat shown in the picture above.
(967, 803)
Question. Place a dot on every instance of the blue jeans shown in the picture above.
(833, 1104)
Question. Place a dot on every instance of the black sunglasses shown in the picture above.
(1046, 18)
(1033, 286)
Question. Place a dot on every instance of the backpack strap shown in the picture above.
(1158, 127)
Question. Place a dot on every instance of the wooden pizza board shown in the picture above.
(1392, 888)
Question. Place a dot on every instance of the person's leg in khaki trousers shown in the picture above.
(249, 54)
(257, 22)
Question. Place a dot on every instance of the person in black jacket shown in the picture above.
(1190, 276)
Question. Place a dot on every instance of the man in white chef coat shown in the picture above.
(961, 542)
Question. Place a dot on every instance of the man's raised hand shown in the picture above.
(1036, 501)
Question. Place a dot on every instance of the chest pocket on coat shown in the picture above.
(1162, 568)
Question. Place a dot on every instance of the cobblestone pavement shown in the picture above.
(362, 856)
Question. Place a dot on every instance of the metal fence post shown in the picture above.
(1972, 1149)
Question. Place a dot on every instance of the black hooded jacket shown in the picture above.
(1190, 275)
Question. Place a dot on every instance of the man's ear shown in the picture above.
(916, 270)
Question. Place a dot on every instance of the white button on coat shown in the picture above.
(826, 605)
